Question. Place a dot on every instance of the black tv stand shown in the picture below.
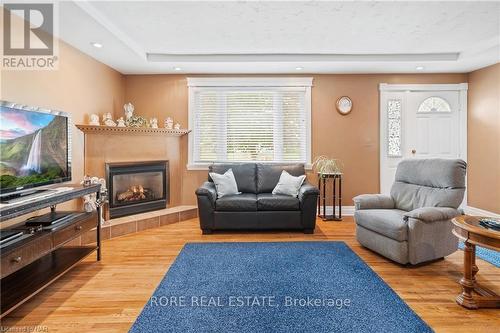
(42, 254)
(25, 196)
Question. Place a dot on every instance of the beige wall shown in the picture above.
(80, 86)
(83, 85)
(353, 138)
(484, 138)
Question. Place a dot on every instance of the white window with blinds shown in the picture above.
(249, 120)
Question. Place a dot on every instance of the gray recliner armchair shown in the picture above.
(413, 224)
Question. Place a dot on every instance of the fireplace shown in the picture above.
(136, 187)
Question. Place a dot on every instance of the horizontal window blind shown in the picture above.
(238, 124)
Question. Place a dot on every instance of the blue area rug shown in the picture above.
(493, 257)
(274, 287)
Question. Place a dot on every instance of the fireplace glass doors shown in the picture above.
(137, 187)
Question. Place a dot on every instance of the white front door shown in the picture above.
(432, 129)
(420, 121)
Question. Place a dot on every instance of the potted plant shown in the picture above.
(324, 165)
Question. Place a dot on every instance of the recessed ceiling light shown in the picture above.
(299, 68)
(177, 69)
(420, 68)
(97, 45)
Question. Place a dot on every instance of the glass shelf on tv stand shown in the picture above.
(27, 196)
(30, 196)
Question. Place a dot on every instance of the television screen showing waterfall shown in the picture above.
(33, 148)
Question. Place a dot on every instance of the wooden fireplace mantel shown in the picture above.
(91, 129)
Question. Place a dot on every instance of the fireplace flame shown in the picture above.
(135, 193)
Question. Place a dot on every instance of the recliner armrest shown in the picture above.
(306, 190)
(373, 201)
(208, 190)
(431, 214)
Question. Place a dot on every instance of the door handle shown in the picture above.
(413, 151)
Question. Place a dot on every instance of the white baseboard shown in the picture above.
(346, 210)
(480, 212)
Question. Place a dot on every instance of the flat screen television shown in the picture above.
(34, 148)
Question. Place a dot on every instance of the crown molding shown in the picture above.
(299, 57)
(249, 81)
(423, 87)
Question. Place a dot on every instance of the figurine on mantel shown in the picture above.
(169, 123)
(129, 111)
(177, 126)
(153, 123)
(121, 122)
(108, 120)
(94, 120)
(137, 121)
(131, 120)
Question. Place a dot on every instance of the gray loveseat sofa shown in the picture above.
(256, 207)
(413, 224)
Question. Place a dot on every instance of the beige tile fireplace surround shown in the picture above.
(101, 147)
(104, 147)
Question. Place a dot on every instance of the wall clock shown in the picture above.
(344, 105)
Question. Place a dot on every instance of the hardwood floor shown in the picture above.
(107, 296)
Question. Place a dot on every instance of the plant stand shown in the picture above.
(323, 179)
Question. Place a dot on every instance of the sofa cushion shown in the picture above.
(268, 175)
(431, 182)
(432, 172)
(245, 202)
(225, 184)
(268, 201)
(387, 222)
(410, 196)
(244, 173)
(288, 184)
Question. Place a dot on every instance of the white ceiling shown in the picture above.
(277, 37)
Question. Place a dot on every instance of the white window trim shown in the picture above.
(193, 82)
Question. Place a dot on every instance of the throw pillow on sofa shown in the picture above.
(225, 184)
(288, 184)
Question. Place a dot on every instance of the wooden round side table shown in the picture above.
(468, 229)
